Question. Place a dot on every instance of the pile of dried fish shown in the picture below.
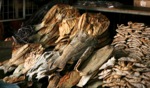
(73, 56)
(23, 57)
(80, 48)
(134, 41)
(131, 65)
(47, 31)
(81, 56)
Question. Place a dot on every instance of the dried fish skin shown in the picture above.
(22, 64)
(83, 38)
(47, 32)
(13, 79)
(16, 59)
(109, 63)
(50, 33)
(97, 23)
(42, 65)
(56, 8)
(94, 60)
(53, 80)
(103, 74)
(95, 83)
(74, 40)
(66, 27)
(69, 80)
(80, 44)
(90, 66)
(22, 50)
(127, 59)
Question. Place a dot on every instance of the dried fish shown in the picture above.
(127, 59)
(42, 64)
(104, 73)
(138, 85)
(141, 69)
(94, 84)
(69, 80)
(82, 38)
(132, 67)
(133, 80)
(102, 54)
(146, 83)
(74, 60)
(109, 63)
(53, 81)
(139, 65)
(47, 32)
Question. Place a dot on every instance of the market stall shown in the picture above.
(81, 45)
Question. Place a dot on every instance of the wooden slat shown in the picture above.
(123, 9)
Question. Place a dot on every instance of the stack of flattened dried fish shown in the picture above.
(76, 56)
(83, 41)
(134, 40)
(130, 67)
(23, 57)
(47, 32)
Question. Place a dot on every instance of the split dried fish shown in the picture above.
(90, 66)
(79, 48)
(131, 66)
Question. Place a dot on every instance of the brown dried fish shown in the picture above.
(53, 81)
(69, 80)
(90, 66)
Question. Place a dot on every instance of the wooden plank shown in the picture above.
(122, 9)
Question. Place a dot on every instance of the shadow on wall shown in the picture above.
(1, 31)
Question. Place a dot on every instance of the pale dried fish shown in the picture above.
(127, 59)
(138, 85)
(42, 65)
(132, 65)
(133, 80)
(109, 63)
(139, 65)
(84, 79)
(141, 69)
(94, 84)
(146, 82)
(146, 74)
(121, 72)
(102, 54)
(104, 73)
